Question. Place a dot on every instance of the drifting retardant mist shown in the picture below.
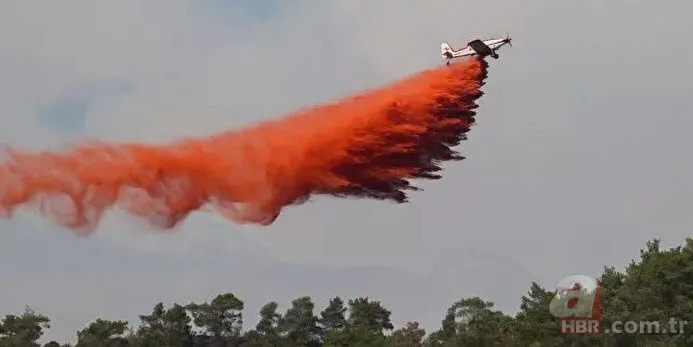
(370, 145)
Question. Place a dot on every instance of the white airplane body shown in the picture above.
(476, 47)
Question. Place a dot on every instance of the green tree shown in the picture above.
(24, 330)
(266, 332)
(370, 316)
(300, 323)
(477, 324)
(269, 321)
(366, 325)
(447, 331)
(333, 323)
(657, 288)
(409, 336)
(534, 323)
(103, 333)
(333, 318)
(221, 318)
(164, 327)
(253, 338)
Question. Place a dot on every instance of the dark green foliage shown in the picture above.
(103, 333)
(24, 330)
(657, 287)
(164, 327)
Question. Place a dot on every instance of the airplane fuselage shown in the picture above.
(469, 50)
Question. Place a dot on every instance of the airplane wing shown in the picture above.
(480, 48)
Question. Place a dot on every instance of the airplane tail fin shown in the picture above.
(445, 48)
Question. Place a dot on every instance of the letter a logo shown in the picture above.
(575, 297)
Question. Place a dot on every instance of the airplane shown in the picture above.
(476, 47)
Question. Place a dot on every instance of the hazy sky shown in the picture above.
(579, 155)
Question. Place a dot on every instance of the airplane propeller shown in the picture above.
(508, 39)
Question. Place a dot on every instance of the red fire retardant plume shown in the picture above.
(370, 145)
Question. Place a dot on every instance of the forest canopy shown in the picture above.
(657, 287)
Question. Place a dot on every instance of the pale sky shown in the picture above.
(579, 155)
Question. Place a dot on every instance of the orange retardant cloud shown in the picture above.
(370, 145)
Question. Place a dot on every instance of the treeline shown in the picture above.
(656, 288)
